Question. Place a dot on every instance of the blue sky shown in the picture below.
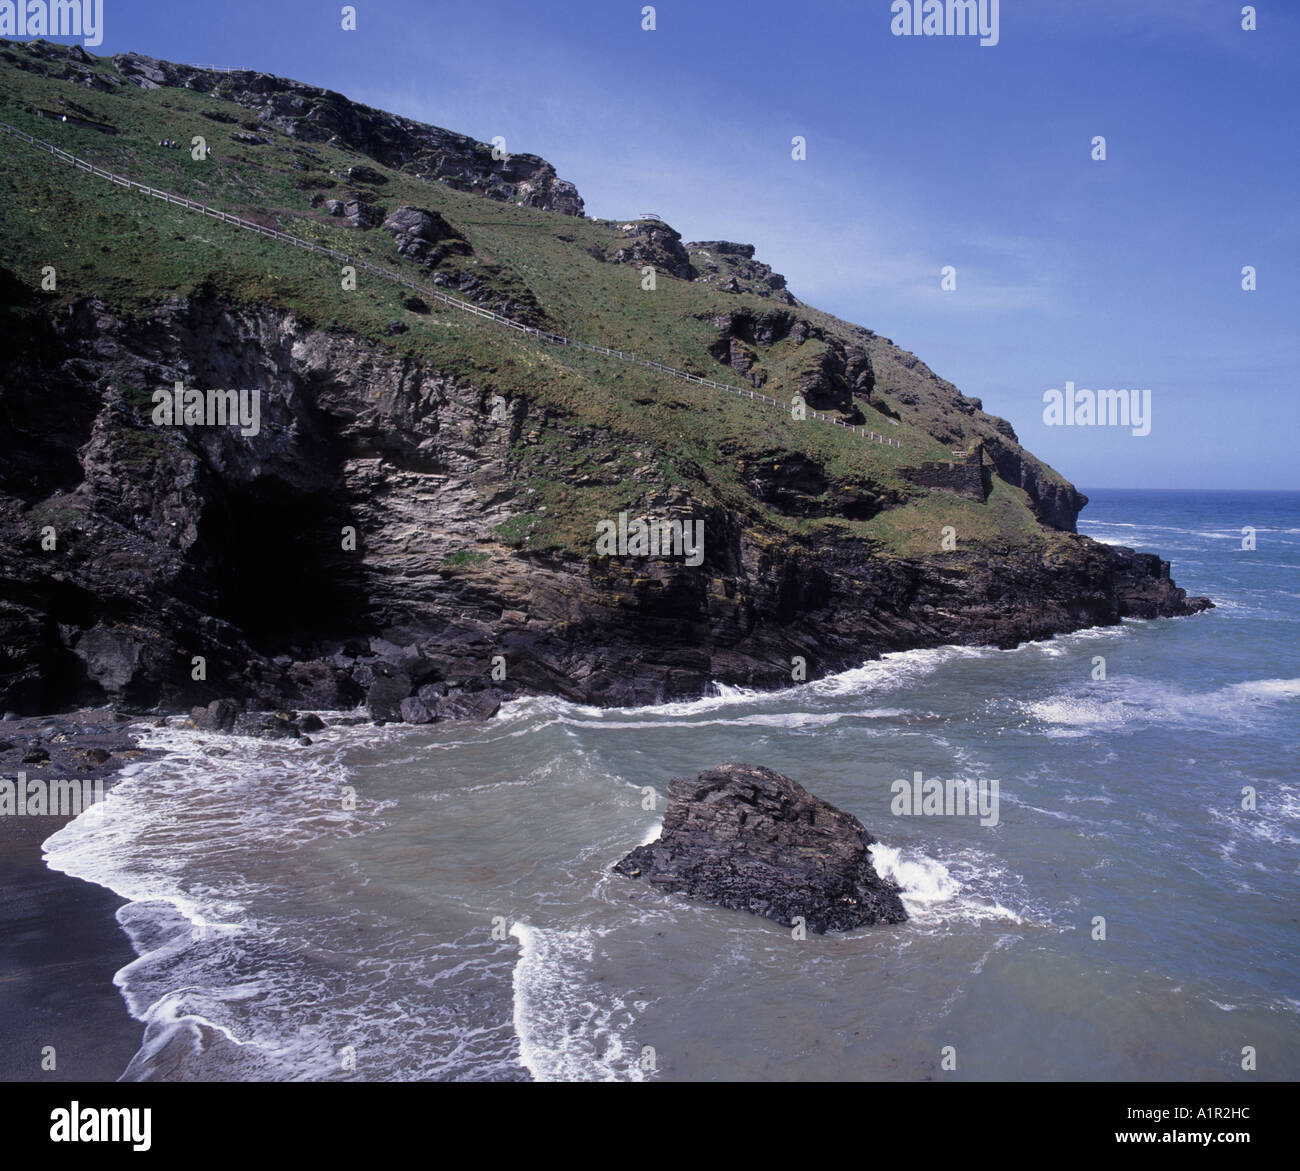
(921, 152)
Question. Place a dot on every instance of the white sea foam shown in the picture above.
(1275, 821)
(1126, 705)
(891, 672)
(925, 881)
(568, 1028)
(930, 891)
(232, 972)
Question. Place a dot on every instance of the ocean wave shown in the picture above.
(1265, 689)
(1235, 533)
(1128, 705)
(569, 1029)
(893, 671)
(1275, 822)
(932, 893)
(246, 967)
(803, 705)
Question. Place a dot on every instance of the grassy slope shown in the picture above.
(133, 253)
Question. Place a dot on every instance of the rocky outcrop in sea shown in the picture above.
(747, 838)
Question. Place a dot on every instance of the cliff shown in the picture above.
(420, 500)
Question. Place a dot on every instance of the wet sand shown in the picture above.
(59, 941)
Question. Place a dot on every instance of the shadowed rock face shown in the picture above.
(745, 837)
(229, 548)
(651, 242)
(172, 545)
(424, 236)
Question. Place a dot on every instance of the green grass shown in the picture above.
(462, 557)
(917, 529)
(133, 253)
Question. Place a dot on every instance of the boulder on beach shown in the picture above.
(747, 838)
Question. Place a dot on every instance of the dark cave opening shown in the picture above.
(270, 560)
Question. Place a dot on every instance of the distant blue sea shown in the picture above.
(1130, 916)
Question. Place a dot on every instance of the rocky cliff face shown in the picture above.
(828, 371)
(959, 420)
(410, 523)
(172, 543)
(652, 243)
(310, 114)
(732, 268)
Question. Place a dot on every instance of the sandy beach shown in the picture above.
(59, 941)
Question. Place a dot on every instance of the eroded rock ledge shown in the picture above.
(228, 548)
(744, 837)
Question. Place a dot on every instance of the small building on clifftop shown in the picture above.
(967, 478)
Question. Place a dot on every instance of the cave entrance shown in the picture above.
(269, 559)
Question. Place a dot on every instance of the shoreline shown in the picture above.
(60, 942)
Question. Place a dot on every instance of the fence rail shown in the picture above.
(427, 291)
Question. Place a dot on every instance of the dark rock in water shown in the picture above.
(267, 725)
(218, 716)
(430, 693)
(384, 696)
(468, 705)
(414, 711)
(311, 723)
(409, 660)
(750, 839)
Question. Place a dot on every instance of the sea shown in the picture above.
(436, 902)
